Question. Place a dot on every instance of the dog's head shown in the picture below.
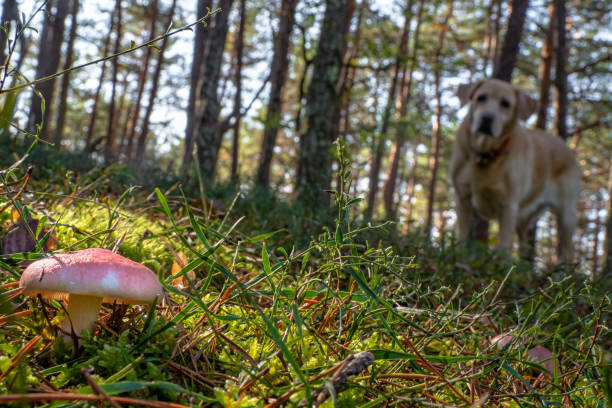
(495, 105)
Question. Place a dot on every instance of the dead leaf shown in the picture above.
(18, 239)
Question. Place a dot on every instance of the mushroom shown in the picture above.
(87, 278)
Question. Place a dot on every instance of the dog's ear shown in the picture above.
(525, 105)
(465, 91)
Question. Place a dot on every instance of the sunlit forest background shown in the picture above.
(237, 89)
(276, 115)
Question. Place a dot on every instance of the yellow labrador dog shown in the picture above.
(509, 173)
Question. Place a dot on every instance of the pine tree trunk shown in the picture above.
(545, 69)
(278, 76)
(144, 132)
(208, 135)
(560, 70)
(400, 138)
(48, 62)
(238, 95)
(528, 250)
(109, 148)
(200, 49)
(323, 103)
(434, 157)
(379, 149)
(134, 112)
(10, 13)
(63, 98)
(347, 73)
(94, 110)
(606, 273)
(510, 49)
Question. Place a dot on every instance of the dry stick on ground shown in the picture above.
(62, 396)
(349, 367)
(98, 390)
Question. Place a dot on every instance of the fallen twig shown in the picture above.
(98, 390)
(61, 396)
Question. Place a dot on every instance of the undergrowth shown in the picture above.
(260, 308)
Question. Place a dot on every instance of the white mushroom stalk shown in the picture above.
(82, 313)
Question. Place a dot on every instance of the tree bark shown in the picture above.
(606, 273)
(560, 70)
(528, 250)
(238, 95)
(400, 138)
(144, 132)
(278, 76)
(10, 12)
(434, 157)
(510, 49)
(111, 129)
(200, 49)
(94, 110)
(545, 69)
(379, 149)
(208, 136)
(48, 62)
(134, 112)
(63, 98)
(323, 103)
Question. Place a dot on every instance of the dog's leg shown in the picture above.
(527, 250)
(464, 213)
(507, 226)
(566, 223)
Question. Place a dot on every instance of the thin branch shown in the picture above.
(201, 20)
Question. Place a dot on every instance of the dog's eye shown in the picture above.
(481, 98)
(504, 103)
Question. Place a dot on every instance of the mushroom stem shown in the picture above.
(83, 312)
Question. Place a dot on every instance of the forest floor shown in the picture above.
(264, 302)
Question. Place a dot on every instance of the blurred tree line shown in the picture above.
(264, 88)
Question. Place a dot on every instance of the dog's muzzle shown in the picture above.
(486, 125)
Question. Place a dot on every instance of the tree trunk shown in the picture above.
(144, 132)
(208, 136)
(302, 84)
(200, 45)
(560, 70)
(510, 49)
(238, 95)
(400, 138)
(545, 68)
(434, 157)
(63, 98)
(278, 76)
(323, 103)
(134, 112)
(111, 129)
(379, 149)
(606, 273)
(504, 66)
(125, 85)
(410, 188)
(10, 12)
(527, 251)
(94, 110)
(596, 229)
(347, 72)
(48, 62)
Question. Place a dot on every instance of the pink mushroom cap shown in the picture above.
(91, 272)
(544, 357)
